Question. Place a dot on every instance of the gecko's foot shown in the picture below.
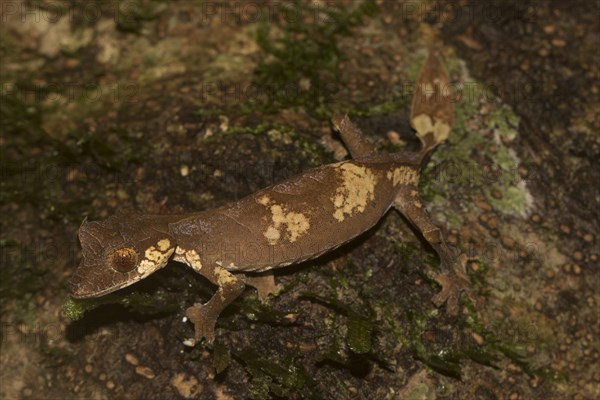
(204, 323)
(453, 281)
(265, 285)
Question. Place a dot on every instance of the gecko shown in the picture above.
(287, 223)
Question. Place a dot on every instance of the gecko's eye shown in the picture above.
(124, 260)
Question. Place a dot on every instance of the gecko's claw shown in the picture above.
(453, 280)
(204, 324)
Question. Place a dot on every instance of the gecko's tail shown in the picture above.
(432, 110)
(431, 116)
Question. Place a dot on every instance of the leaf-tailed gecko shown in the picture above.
(287, 223)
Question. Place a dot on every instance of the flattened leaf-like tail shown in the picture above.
(432, 111)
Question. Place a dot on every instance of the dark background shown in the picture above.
(173, 106)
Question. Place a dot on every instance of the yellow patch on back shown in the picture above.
(356, 190)
(264, 200)
(224, 277)
(403, 175)
(189, 257)
(296, 224)
(289, 224)
(163, 244)
(272, 234)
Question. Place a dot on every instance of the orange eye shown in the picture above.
(124, 260)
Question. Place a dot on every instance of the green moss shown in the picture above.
(43, 170)
(409, 332)
(273, 374)
(74, 310)
(514, 200)
(304, 57)
(453, 169)
(439, 358)
(385, 108)
(257, 311)
(159, 302)
(409, 325)
(359, 327)
(479, 278)
(417, 319)
(221, 357)
(509, 339)
(421, 391)
(131, 15)
(506, 340)
(277, 133)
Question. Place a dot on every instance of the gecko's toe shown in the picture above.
(204, 325)
(453, 281)
(449, 293)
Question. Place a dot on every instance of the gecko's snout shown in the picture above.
(79, 287)
(75, 286)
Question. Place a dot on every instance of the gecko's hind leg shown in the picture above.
(452, 277)
(353, 138)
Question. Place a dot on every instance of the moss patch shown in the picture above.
(477, 154)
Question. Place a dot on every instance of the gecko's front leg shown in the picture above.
(204, 316)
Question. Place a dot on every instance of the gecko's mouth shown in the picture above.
(77, 287)
(81, 287)
(75, 291)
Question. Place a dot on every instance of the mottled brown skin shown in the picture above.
(234, 235)
(287, 223)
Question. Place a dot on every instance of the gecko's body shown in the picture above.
(295, 220)
(287, 223)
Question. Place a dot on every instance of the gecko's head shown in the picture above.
(118, 252)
